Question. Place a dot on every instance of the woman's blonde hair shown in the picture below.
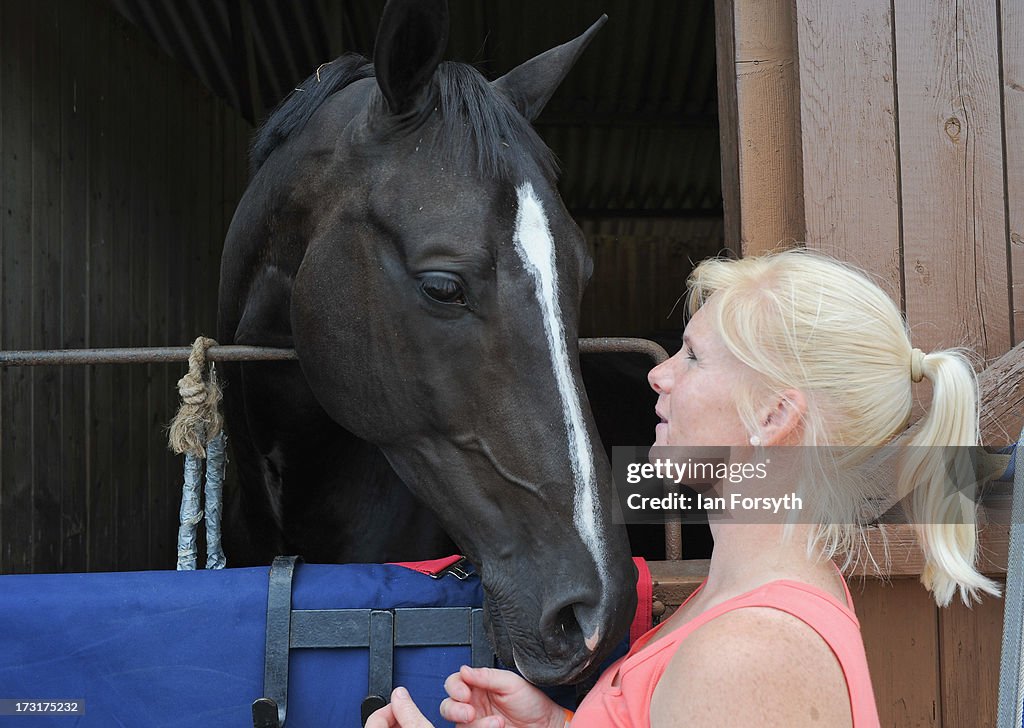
(804, 321)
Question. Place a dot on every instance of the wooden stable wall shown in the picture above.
(119, 177)
(925, 184)
(639, 278)
(888, 134)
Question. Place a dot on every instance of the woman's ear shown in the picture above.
(781, 419)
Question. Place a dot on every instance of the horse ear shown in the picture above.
(530, 85)
(411, 40)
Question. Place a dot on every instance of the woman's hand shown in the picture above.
(482, 697)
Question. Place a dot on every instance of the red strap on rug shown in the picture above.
(432, 567)
(643, 619)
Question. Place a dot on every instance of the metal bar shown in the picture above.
(164, 354)
(623, 345)
(143, 355)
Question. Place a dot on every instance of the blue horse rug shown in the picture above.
(187, 648)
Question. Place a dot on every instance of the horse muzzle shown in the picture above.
(568, 637)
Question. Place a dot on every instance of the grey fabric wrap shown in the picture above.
(1011, 668)
(215, 462)
(191, 514)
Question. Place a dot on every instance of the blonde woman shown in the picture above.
(782, 350)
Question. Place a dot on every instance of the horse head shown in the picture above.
(435, 312)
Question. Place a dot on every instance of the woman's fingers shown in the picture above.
(406, 713)
(457, 712)
(490, 679)
(457, 688)
(382, 718)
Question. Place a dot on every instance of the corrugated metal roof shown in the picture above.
(634, 125)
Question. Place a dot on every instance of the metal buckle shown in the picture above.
(461, 570)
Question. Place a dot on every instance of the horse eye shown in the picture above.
(443, 288)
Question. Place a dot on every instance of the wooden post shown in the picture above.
(850, 154)
(1012, 45)
(760, 124)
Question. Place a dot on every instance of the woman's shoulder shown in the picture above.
(755, 663)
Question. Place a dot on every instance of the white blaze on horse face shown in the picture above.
(533, 243)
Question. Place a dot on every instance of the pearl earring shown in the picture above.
(755, 441)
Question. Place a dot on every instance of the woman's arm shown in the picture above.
(754, 666)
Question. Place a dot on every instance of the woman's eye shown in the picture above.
(690, 355)
(443, 288)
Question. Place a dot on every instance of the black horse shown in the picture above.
(401, 229)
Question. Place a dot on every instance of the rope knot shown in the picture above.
(198, 420)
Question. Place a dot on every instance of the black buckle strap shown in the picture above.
(270, 710)
(379, 630)
(382, 645)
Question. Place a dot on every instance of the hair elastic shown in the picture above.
(916, 362)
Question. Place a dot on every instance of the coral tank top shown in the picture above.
(628, 703)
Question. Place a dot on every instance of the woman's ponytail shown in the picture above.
(938, 469)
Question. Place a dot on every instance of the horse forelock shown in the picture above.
(478, 126)
(503, 144)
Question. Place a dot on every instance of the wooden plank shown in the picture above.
(674, 581)
(46, 453)
(3, 372)
(229, 192)
(906, 559)
(74, 52)
(848, 129)
(899, 624)
(134, 504)
(1002, 399)
(101, 496)
(969, 647)
(16, 287)
(954, 223)
(220, 214)
(211, 216)
(162, 521)
(728, 121)
(203, 270)
(767, 100)
(243, 136)
(120, 101)
(1012, 46)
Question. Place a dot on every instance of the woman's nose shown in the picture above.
(660, 377)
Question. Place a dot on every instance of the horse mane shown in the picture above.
(295, 110)
(476, 120)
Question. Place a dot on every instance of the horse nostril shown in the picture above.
(566, 620)
(563, 637)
